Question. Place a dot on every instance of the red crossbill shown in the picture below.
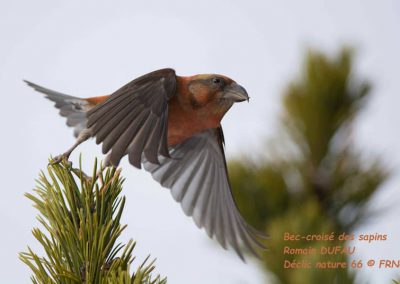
(172, 125)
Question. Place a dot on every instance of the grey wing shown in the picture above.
(197, 175)
(133, 120)
(72, 108)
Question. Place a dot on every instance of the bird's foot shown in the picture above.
(58, 159)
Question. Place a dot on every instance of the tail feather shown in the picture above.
(73, 108)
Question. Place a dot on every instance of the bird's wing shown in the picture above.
(197, 175)
(133, 120)
(72, 108)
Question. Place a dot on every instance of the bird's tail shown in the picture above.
(73, 108)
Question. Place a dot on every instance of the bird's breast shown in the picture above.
(183, 122)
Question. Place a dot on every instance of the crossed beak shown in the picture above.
(235, 93)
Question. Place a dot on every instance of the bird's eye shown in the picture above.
(216, 80)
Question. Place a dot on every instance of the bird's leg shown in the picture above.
(83, 136)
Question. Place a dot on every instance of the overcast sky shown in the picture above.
(92, 48)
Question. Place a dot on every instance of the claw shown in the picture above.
(58, 159)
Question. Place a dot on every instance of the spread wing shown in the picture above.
(133, 120)
(197, 175)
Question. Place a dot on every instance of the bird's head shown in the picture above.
(215, 90)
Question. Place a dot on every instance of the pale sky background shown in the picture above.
(93, 47)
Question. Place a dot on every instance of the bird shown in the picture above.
(170, 125)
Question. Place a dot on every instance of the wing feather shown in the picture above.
(133, 121)
(152, 145)
(197, 175)
(137, 145)
(130, 130)
(115, 126)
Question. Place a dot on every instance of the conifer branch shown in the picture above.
(81, 225)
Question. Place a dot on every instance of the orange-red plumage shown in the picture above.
(97, 100)
(190, 111)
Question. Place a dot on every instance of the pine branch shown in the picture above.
(81, 224)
